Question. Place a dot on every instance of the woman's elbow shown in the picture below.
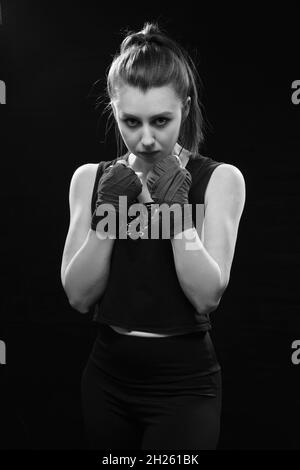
(215, 301)
(204, 309)
(75, 303)
(79, 307)
(210, 305)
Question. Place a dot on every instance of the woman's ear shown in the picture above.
(188, 105)
(186, 108)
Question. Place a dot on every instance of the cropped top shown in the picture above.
(143, 291)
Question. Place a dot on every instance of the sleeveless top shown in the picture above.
(143, 292)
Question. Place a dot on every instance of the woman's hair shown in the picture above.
(149, 58)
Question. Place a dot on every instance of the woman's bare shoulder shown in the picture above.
(226, 171)
(225, 176)
(86, 173)
(82, 182)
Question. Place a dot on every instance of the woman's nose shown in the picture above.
(147, 138)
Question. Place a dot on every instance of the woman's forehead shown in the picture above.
(161, 99)
(166, 91)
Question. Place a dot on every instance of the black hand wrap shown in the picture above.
(117, 180)
(169, 183)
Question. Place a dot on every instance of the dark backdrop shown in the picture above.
(51, 54)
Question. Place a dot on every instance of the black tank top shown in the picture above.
(143, 292)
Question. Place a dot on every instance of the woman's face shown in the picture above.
(150, 121)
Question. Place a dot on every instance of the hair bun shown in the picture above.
(149, 35)
(144, 39)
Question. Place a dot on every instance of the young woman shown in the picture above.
(152, 380)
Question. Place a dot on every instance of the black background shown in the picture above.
(51, 54)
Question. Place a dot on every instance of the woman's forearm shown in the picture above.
(87, 273)
(198, 273)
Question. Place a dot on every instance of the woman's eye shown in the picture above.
(161, 124)
(128, 121)
(163, 119)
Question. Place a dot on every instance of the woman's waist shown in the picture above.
(154, 322)
(174, 358)
(146, 334)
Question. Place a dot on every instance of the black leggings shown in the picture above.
(151, 393)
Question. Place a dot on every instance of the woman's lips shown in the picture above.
(149, 154)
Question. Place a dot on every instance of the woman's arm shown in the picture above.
(86, 258)
(86, 275)
(203, 269)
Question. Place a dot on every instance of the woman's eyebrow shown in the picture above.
(166, 113)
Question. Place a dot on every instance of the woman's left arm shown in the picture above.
(203, 267)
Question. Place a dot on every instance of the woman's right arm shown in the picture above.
(86, 258)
